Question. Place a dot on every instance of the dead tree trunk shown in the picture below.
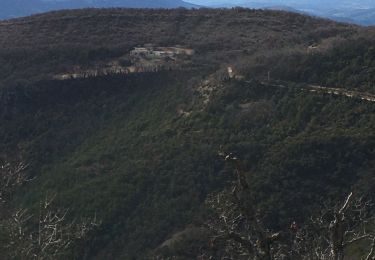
(337, 231)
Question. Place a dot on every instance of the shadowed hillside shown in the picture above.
(53, 42)
(140, 150)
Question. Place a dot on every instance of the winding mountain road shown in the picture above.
(334, 91)
(342, 92)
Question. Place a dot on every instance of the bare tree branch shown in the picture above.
(371, 254)
(239, 230)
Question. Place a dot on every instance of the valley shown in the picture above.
(123, 116)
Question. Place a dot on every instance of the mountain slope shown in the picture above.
(64, 35)
(140, 151)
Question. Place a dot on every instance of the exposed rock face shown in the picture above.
(143, 59)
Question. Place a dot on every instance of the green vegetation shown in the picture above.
(338, 62)
(141, 150)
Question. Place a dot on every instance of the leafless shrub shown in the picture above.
(11, 177)
(47, 235)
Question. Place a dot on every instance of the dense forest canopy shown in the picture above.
(139, 151)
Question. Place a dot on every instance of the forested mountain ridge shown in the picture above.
(229, 34)
(17, 8)
(139, 151)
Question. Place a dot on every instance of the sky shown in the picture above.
(321, 3)
(351, 11)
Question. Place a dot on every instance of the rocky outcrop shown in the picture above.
(144, 59)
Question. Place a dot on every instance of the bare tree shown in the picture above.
(47, 234)
(12, 176)
(238, 229)
(329, 235)
(239, 233)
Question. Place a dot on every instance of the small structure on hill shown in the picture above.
(152, 52)
(230, 72)
(234, 74)
(314, 48)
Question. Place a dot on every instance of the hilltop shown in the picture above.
(16, 8)
(54, 41)
(291, 95)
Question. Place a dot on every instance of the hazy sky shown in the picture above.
(364, 3)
